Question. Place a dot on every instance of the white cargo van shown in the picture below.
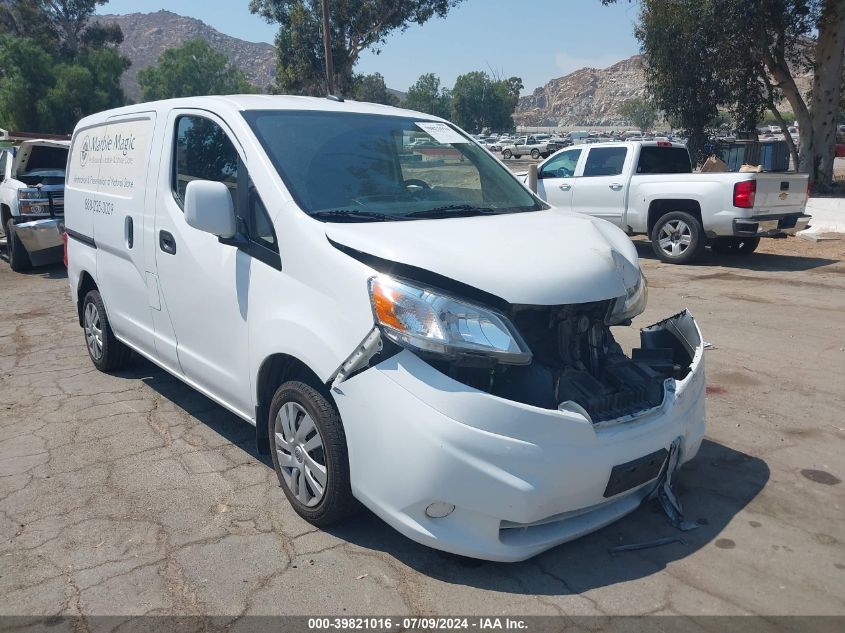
(411, 329)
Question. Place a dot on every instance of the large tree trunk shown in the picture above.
(826, 90)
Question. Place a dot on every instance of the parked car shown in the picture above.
(277, 254)
(648, 188)
(527, 145)
(32, 179)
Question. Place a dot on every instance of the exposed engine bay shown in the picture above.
(576, 360)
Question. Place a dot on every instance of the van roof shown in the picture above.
(222, 105)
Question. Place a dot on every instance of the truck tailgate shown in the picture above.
(780, 193)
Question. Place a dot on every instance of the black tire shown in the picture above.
(535, 154)
(677, 250)
(113, 354)
(507, 153)
(336, 502)
(736, 245)
(517, 155)
(18, 257)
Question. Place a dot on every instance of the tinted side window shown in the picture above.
(562, 165)
(203, 152)
(259, 225)
(4, 157)
(605, 161)
(664, 160)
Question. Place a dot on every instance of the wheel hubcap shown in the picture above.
(93, 331)
(675, 237)
(300, 453)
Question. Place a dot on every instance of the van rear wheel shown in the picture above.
(18, 257)
(105, 351)
(309, 454)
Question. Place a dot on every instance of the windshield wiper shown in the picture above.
(451, 210)
(353, 214)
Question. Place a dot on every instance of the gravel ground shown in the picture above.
(131, 494)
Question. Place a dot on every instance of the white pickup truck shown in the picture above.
(32, 183)
(648, 188)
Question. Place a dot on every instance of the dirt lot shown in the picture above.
(132, 494)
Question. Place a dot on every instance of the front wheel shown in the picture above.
(736, 245)
(507, 153)
(535, 154)
(309, 454)
(18, 257)
(677, 238)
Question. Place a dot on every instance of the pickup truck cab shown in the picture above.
(32, 179)
(649, 188)
(425, 337)
(528, 145)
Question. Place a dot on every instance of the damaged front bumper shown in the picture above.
(512, 479)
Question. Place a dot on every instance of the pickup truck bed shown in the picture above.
(648, 188)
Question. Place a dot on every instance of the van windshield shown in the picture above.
(367, 167)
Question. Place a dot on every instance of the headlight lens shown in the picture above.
(631, 304)
(29, 194)
(427, 321)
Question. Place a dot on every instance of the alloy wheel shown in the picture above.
(675, 238)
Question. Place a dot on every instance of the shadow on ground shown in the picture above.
(763, 262)
(713, 487)
(49, 271)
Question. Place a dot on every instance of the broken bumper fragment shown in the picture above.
(479, 475)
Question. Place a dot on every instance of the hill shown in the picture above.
(147, 35)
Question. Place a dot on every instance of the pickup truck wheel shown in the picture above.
(507, 153)
(677, 238)
(106, 352)
(18, 257)
(309, 454)
(736, 245)
(535, 154)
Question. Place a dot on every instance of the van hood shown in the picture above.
(549, 257)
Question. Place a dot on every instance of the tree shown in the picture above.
(355, 26)
(479, 102)
(746, 56)
(43, 93)
(190, 70)
(641, 112)
(373, 89)
(60, 26)
(427, 96)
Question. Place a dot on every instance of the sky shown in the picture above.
(537, 40)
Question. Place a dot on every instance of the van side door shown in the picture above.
(602, 189)
(556, 178)
(204, 282)
(107, 181)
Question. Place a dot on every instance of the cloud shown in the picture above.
(567, 63)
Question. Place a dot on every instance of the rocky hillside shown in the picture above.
(147, 35)
(592, 96)
(589, 96)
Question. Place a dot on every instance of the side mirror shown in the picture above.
(209, 208)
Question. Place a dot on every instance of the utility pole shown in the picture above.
(327, 48)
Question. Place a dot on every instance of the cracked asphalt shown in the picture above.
(131, 494)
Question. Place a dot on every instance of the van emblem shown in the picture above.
(83, 153)
(783, 195)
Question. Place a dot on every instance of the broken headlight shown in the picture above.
(425, 320)
(629, 305)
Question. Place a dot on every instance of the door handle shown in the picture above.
(565, 187)
(166, 242)
(615, 186)
(130, 232)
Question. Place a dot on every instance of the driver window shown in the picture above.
(421, 160)
(562, 166)
(3, 159)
